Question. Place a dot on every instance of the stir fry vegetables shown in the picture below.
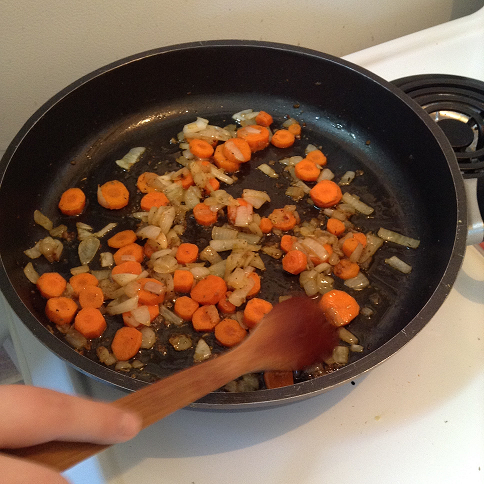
(138, 283)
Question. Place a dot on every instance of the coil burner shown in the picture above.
(456, 104)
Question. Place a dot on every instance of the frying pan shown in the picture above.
(410, 177)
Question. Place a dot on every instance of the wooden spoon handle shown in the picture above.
(152, 403)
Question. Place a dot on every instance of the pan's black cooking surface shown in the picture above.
(409, 173)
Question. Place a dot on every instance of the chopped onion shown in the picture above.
(31, 274)
(291, 161)
(228, 244)
(122, 366)
(105, 356)
(75, 339)
(170, 317)
(141, 315)
(180, 342)
(202, 351)
(315, 248)
(123, 306)
(341, 355)
(397, 238)
(357, 283)
(196, 126)
(224, 233)
(51, 249)
(149, 232)
(148, 338)
(326, 174)
(218, 269)
(221, 175)
(347, 336)
(200, 272)
(244, 115)
(357, 204)
(255, 197)
(210, 255)
(243, 215)
(107, 259)
(250, 238)
(272, 251)
(34, 252)
(165, 265)
(267, 170)
(347, 178)
(296, 193)
(398, 264)
(153, 287)
(356, 348)
(192, 197)
(79, 270)
(131, 157)
(87, 249)
(373, 243)
(42, 220)
(105, 230)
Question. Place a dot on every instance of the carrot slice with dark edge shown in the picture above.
(229, 332)
(126, 343)
(51, 284)
(90, 322)
(61, 310)
(72, 201)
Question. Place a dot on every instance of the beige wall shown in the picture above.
(46, 45)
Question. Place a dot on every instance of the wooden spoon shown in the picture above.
(293, 335)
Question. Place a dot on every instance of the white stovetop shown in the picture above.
(419, 417)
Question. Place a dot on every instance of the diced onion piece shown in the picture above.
(149, 232)
(267, 170)
(218, 269)
(357, 204)
(289, 122)
(141, 315)
(192, 197)
(107, 259)
(76, 339)
(34, 252)
(42, 220)
(244, 115)
(243, 216)
(228, 244)
(326, 174)
(51, 248)
(397, 238)
(31, 274)
(170, 317)
(224, 233)
(356, 348)
(210, 255)
(79, 270)
(398, 264)
(165, 265)
(221, 175)
(373, 243)
(202, 351)
(153, 287)
(315, 248)
(180, 342)
(200, 272)
(105, 230)
(122, 366)
(347, 336)
(255, 197)
(341, 355)
(105, 356)
(296, 193)
(272, 251)
(87, 249)
(347, 178)
(357, 283)
(310, 148)
(250, 238)
(194, 127)
(124, 306)
(148, 338)
(131, 157)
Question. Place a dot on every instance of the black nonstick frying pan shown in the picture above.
(410, 177)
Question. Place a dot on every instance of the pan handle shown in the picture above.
(475, 225)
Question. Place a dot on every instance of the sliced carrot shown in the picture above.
(81, 281)
(282, 219)
(232, 209)
(335, 227)
(287, 241)
(295, 129)
(128, 267)
(350, 243)
(209, 290)
(329, 249)
(129, 252)
(146, 182)
(60, 310)
(183, 281)
(278, 379)
(51, 284)
(185, 307)
(113, 195)
(222, 162)
(205, 318)
(339, 307)
(204, 215)
(283, 138)
(306, 170)
(125, 237)
(186, 253)
(237, 150)
(317, 157)
(151, 291)
(229, 332)
(264, 119)
(256, 136)
(90, 322)
(200, 148)
(345, 269)
(72, 201)
(265, 225)
(325, 193)
(91, 297)
(225, 306)
(256, 287)
(294, 262)
(150, 247)
(255, 310)
(126, 343)
(185, 179)
(153, 199)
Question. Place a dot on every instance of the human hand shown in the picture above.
(30, 415)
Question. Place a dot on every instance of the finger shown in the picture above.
(30, 415)
(19, 471)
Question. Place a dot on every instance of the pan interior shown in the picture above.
(360, 124)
